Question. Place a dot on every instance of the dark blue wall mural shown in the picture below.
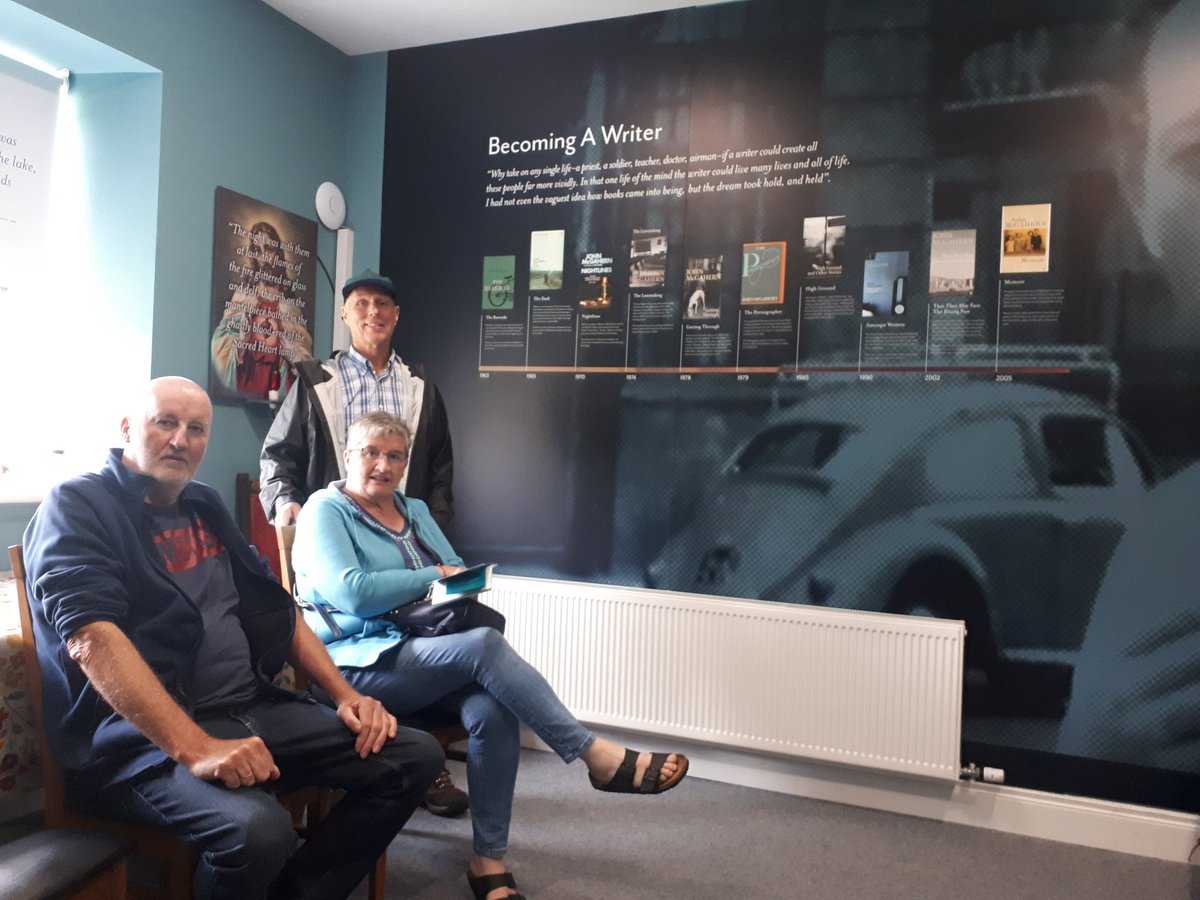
(875, 306)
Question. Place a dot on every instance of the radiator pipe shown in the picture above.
(972, 772)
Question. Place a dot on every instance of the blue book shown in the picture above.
(468, 583)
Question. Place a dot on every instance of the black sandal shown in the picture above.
(622, 781)
(482, 885)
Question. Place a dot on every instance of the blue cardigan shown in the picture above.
(349, 567)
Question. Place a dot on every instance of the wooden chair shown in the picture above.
(175, 858)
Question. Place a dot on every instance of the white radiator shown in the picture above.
(867, 689)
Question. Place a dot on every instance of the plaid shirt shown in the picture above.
(363, 391)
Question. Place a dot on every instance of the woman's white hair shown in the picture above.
(375, 424)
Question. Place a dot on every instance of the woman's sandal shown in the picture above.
(482, 885)
(622, 781)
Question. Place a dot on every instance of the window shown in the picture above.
(806, 446)
(984, 458)
(77, 291)
(28, 122)
(1088, 451)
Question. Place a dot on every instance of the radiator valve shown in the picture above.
(972, 772)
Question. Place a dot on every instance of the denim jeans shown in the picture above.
(478, 676)
(246, 840)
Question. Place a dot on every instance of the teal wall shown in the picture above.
(251, 102)
(363, 186)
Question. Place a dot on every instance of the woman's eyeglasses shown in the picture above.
(372, 454)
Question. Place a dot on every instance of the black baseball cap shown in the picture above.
(369, 278)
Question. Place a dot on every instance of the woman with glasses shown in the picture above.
(362, 549)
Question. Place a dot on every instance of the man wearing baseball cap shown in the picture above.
(303, 451)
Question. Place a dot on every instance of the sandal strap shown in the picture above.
(622, 779)
(653, 773)
(627, 770)
(482, 885)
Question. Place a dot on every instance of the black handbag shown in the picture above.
(424, 618)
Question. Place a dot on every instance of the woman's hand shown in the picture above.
(446, 571)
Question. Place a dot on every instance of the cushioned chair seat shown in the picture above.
(60, 862)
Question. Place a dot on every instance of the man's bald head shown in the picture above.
(166, 433)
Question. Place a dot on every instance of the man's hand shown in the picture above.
(287, 514)
(123, 678)
(372, 725)
(367, 718)
(236, 763)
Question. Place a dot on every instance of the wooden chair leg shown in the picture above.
(118, 881)
(375, 880)
(112, 885)
(179, 878)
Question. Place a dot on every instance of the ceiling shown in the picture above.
(368, 26)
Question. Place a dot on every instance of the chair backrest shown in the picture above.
(52, 780)
(285, 536)
(253, 521)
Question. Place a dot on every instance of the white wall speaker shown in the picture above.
(331, 205)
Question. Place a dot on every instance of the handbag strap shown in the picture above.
(326, 614)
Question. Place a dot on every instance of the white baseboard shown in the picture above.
(1121, 828)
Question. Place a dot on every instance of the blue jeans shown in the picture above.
(246, 840)
(479, 677)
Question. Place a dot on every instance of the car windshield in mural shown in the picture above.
(888, 315)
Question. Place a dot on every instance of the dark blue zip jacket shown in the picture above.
(90, 557)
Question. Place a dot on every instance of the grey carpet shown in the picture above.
(708, 840)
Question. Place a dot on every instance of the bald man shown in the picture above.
(159, 633)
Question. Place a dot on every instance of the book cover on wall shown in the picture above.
(824, 246)
(952, 263)
(647, 257)
(885, 283)
(262, 291)
(702, 287)
(763, 267)
(1025, 238)
(703, 341)
(595, 280)
(546, 260)
(498, 275)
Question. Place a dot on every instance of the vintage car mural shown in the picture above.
(999, 504)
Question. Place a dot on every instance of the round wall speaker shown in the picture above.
(331, 205)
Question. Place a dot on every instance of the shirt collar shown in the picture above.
(362, 362)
